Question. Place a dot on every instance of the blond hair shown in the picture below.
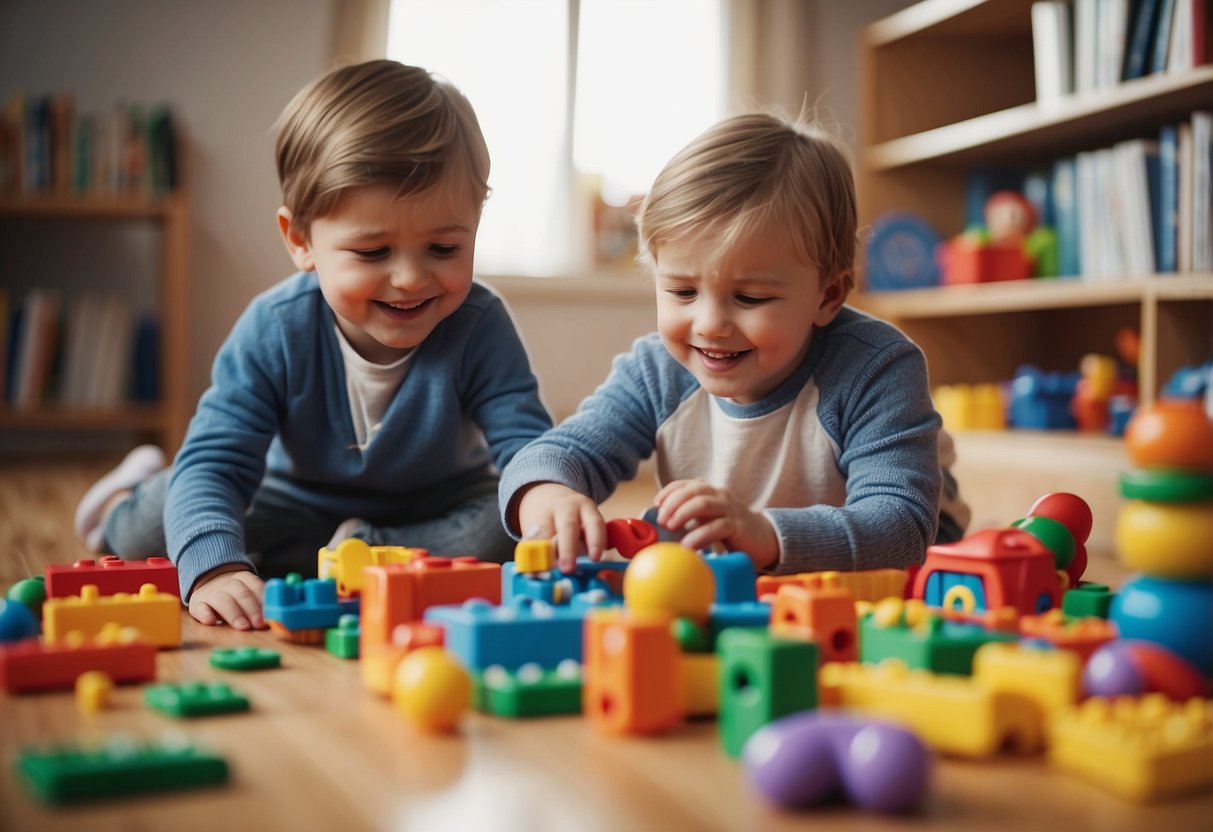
(378, 122)
(758, 170)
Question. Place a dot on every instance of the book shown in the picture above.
(1183, 244)
(1086, 23)
(1065, 214)
(1052, 56)
(1202, 201)
(1112, 28)
(1162, 43)
(1186, 47)
(1133, 160)
(1141, 46)
(1167, 209)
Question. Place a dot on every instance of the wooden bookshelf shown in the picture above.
(946, 86)
(163, 421)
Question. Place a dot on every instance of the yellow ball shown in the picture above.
(431, 689)
(671, 578)
(1171, 540)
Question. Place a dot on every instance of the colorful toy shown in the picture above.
(68, 774)
(1040, 400)
(93, 689)
(342, 640)
(31, 592)
(245, 659)
(529, 691)
(1142, 749)
(633, 677)
(990, 569)
(1080, 635)
(908, 631)
(627, 536)
(301, 610)
(700, 684)
(524, 631)
(154, 613)
(379, 665)
(112, 575)
(1011, 246)
(1177, 615)
(1171, 433)
(1166, 485)
(532, 556)
(669, 577)
(1050, 679)
(741, 614)
(1170, 540)
(1088, 600)
(1131, 668)
(1072, 512)
(431, 689)
(395, 594)
(192, 699)
(17, 622)
(123, 655)
(762, 678)
(863, 584)
(344, 564)
(802, 759)
(970, 406)
(734, 574)
(824, 614)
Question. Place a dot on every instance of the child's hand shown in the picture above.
(228, 593)
(713, 515)
(550, 509)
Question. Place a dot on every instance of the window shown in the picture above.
(581, 102)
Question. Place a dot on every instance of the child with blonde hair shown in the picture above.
(785, 424)
(376, 393)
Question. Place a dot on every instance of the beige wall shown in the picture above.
(228, 66)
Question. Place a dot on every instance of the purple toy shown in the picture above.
(802, 759)
(1111, 671)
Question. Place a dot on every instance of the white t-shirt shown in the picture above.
(370, 387)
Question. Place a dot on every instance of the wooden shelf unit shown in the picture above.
(946, 86)
(166, 419)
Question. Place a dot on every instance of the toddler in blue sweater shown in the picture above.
(374, 394)
(785, 424)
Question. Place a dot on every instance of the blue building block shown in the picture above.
(735, 577)
(1041, 401)
(524, 631)
(302, 605)
(555, 587)
(739, 614)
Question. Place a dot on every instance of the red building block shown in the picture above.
(400, 593)
(32, 665)
(112, 575)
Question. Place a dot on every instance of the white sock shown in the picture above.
(91, 513)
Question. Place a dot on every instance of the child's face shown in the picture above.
(390, 267)
(740, 322)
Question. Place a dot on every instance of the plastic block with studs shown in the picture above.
(345, 563)
(112, 575)
(740, 614)
(870, 585)
(824, 614)
(156, 614)
(195, 699)
(342, 640)
(401, 593)
(762, 678)
(69, 774)
(1088, 600)
(1082, 635)
(295, 605)
(529, 691)
(34, 665)
(245, 659)
(912, 632)
(524, 631)
(734, 573)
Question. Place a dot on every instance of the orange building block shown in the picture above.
(633, 672)
(1084, 636)
(395, 594)
(379, 665)
(825, 615)
(864, 584)
(157, 615)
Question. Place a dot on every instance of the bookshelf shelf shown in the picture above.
(165, 420)
(948, 86)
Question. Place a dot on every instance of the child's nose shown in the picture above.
(712, 321)
(407, 273)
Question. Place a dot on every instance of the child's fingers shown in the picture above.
(593, 529)
(202, 613)
(676, 494)
(568, 540)
(247, 595)
(699, 507)
(228, 608)
(703, 536)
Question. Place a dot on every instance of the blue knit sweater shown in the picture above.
(842, 457)
(277, 408)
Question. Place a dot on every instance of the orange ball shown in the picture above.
(431, 689)
(671, 578)
(1171, 433)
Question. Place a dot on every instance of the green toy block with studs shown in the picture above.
(1088, 600)
(930, 643)
(245, 658)
(342, 640)
(761, 679)
(529, 691)
(192, 699)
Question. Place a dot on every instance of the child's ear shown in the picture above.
(832, 299)
(298, 246)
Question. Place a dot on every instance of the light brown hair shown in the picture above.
(759, 170)
(378, 122)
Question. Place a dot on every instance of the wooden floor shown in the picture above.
(38, 501)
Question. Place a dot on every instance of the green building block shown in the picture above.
(1087, 600)
(342, 640)
(936, 645)
(245, 658)
(529, 691)
(120, 767)
(761, 679)
(691, 637)
(194, 699)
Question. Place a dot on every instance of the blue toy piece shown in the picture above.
(16, 621)
(1041, 401)
(524, 631)
(901, 254)
(1189, 382)
(738, 614)
(557, 588)
(302, 605)
(735, 577)
(1177, 615)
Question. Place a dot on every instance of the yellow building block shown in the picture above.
(532, 556)
(155, 614)
(1050, 678)
(950, 713)
(345, 563)
(1142, 749)
(701, 683)
(970, 406)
